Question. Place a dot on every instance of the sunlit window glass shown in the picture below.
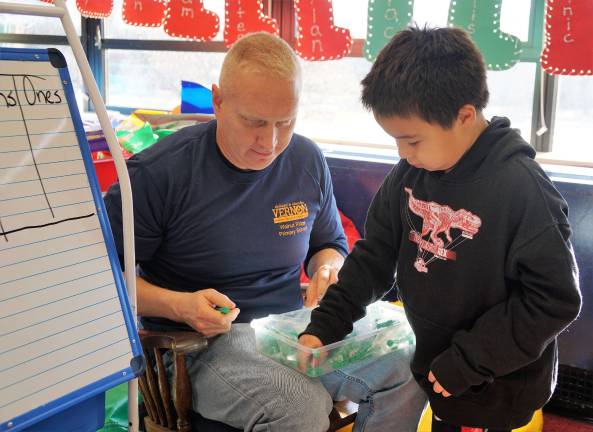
(574, 119)
(152, 79)
(34, 25)
(331, 110)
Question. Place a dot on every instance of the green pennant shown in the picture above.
(481, 19)
(385, 19)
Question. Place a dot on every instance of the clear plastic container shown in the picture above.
(384, 329)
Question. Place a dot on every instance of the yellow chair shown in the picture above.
(535, 425)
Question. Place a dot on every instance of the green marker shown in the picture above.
(223, 309)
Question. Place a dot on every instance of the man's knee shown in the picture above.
(307, 410)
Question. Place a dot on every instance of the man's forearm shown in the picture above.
(154, 301)
(328, 256)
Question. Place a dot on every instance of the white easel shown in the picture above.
(59, 10)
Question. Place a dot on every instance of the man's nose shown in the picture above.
(268, 138)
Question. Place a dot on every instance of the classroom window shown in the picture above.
(152, 79)
(331, 110)
(511, 95)
(574, 119)
(514, 16)
(30, 25)
(144, 68)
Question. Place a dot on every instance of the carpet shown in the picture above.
(555, 423)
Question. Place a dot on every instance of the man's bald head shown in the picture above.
(261, 53)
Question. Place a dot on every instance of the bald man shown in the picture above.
(226, 213)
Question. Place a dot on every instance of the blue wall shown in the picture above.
(356, 181)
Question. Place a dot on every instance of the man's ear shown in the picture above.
(216, 98)
(467, 115)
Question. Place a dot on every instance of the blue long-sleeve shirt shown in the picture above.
(202, 223)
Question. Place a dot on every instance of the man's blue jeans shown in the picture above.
(388, 397)
(235, 384)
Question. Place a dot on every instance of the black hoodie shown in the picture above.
(485, 269)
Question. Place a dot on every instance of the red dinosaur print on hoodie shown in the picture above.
(439, 219)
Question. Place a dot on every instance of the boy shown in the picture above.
(475, 233)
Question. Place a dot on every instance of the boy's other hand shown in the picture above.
(318, 284)
(436, 386)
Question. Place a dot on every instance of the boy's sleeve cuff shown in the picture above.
(448, 367)
(327, 327)
(326, 337)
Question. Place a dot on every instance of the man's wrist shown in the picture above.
(175, 305)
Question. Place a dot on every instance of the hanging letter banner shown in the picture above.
(569, 39)
(385, 19)
(318, 38)
(144, 13)
(481, 19)
(95, 8)
(245, 16)
(188, 19)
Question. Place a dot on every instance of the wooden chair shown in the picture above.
(169, 407)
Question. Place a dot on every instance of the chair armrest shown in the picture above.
(182, 342)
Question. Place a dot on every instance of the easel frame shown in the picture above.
(59, 10)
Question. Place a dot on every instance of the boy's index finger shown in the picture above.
(312, 292)
(303, 356)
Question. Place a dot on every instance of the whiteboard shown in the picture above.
(66, 330)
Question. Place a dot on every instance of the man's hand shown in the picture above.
(197, 310)
(304, 359)
(318, 284)
(436, 386)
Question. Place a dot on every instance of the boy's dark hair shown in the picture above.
(426, 72)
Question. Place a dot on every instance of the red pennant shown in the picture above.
(95, 8)
(188, 19)
(144, 13)
(245, 16)
(569, 41)
(318, 38)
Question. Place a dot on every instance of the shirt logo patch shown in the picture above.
(289, 218)
(437, 220)
(290, 212)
